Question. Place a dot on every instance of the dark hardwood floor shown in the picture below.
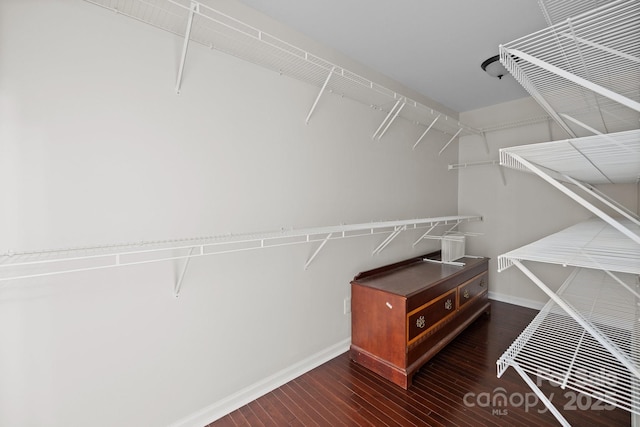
(455, 388)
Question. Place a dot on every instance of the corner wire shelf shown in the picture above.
(211, 28)
(21, 265)
(584, 71)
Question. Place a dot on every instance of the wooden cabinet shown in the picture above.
(403, 314)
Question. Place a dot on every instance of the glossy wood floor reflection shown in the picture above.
(453, 389)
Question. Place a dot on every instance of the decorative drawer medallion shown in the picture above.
(448, 305)
(472, 288)
(423, 319)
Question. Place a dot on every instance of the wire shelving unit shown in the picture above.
(584, 70)
(199, 23)
(30, 264)
(595, 310)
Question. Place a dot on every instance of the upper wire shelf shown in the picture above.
(590, 244)
(585, 70)
(20, 265)
(222, 32)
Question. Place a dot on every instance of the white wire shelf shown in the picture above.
(556, 348)
(600, 159)
(611, 158)
(21, 265)
(591, 244)
(555, 11)
(222, 32)
(584, 71)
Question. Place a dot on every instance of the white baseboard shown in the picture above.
(524, 302)
(229, 404)
(221, 408)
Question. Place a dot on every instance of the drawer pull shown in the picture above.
(448, 304)
(466, 294)
(420, 322)
(483, 283)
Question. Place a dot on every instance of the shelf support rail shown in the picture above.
(424, 236)
(613, 276)
(604, 199)
(176, 290)
(450, 141)
(550, 406)
(486, 143)
(324, 86)
(506, 57)
(581, 124)
(595, 333)
(317, 251)
(425, 132)
(471, 164)
(577, 350)
(480, 163)
(509, 356)
(195, 8)
(395, 111)
(393, 235)
(611, 221)
(452, 228)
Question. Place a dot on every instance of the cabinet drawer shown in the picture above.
(471, 289)
(424, 318)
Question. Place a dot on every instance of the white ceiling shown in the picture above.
(432, 47)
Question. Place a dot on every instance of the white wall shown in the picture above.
(526, 208)
(96, 147)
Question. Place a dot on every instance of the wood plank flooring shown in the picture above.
(455, 388)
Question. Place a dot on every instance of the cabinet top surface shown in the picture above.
(412, 276)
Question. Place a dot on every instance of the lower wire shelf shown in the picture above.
(21, 265)
(556, 348)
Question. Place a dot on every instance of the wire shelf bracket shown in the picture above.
(324, 86)
(391, 116)
(450, 141)
(194, 8)
(204, 25)
(425, 132)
